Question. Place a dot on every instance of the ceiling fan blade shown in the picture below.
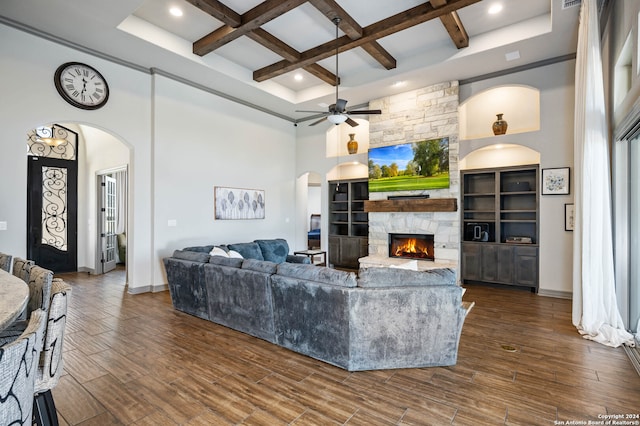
(340, 105)
(317, 112)
(365, 111)
(351, 122)
(318, 121)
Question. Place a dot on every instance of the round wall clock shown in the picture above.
(81, 85)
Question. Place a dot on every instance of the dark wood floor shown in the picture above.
(135, 360)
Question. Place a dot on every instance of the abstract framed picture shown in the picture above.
(555, 181)
(238, 203)
(569, 218)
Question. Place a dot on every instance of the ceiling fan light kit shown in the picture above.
(337, 118)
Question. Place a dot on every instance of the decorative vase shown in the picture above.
(499, 126)
(352, 145)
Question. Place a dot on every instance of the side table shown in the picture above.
(311, 254)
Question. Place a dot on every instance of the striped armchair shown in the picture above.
(51, 364)
(21, 268)
(5, 261)
(39, 294)
(18, 370)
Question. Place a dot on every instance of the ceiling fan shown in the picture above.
(337, 112)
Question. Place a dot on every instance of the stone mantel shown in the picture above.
(417, 205)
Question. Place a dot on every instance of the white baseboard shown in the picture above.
(148, 289)
(555, 293)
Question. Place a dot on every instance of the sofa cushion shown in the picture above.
(247, 250)
(318, 274)
(199, 249)
(292, 258)
(275, 250)
(193, 256)
(226, 261)
(260, 266)
(395, 277)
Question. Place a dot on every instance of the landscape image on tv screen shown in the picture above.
(409, 166)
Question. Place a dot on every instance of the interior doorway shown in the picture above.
(111, 240)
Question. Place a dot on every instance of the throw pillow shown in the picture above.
(217, 251)
(234, 254)
(247, 250)
(275, 250)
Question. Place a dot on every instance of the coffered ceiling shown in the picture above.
(279, 55)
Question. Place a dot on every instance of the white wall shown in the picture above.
(201, 141)
(29, 99)
(554, 142)
(100, 152)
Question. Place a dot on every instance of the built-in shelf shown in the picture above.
(418, 205)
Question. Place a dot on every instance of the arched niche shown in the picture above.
(520, 106)
(499, 155)
(338, 136)
(348, 170)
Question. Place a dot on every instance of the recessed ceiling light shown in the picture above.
(175, 11)
(398, 83)
(495, 8)
(298, 77)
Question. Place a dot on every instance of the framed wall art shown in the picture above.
(555, 181)
(569, 218)
(238, 203)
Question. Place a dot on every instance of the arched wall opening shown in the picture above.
(499, 155)
(100, 152)
(519, 104)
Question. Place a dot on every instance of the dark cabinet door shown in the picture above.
(526, 266)
(505, 264)
(334, 250)
(471, 262)
(350, 252)
(489, 266)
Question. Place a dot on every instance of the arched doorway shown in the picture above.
(98, 154)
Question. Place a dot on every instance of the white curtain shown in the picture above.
(595, 312)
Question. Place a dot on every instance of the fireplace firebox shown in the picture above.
(411, 246)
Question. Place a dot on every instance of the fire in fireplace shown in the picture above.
(411, 246)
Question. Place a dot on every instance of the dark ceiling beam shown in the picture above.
(276, 45)
(232, 19)
(453, 25)
(401, 21)
(353, 30)
(219, 11)
(254, 18)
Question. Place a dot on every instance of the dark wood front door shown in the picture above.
(52, 213)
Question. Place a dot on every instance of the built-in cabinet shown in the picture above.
(500, 226)
(348, 222)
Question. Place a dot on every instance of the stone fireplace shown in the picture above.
(427, 113)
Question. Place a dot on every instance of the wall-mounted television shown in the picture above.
(410, 166)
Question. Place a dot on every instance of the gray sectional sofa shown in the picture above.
(383, 318)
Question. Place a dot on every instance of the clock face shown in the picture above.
(81, 85)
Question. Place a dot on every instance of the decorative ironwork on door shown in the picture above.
(54, 207)
(53, 142)
(52, 181)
